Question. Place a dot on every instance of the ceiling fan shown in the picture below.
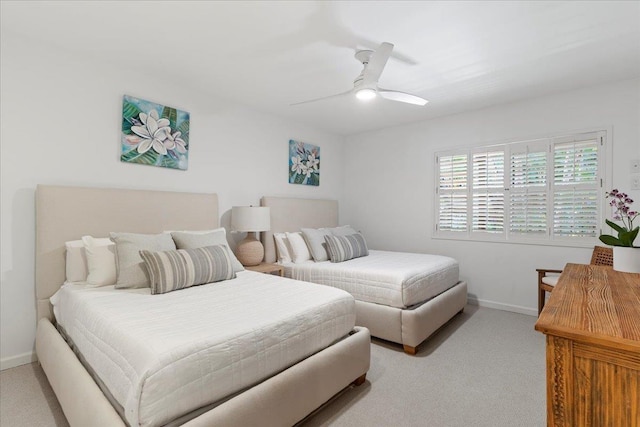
(365, 86)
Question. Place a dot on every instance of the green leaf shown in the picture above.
(171, 114)
(314, 179)
(129, 111)
(184, 129)
(299, 178)
(628, 237)
(610, 240)
(634, 234)
(132, 156)
(615, 226)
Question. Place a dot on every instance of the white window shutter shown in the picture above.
(575, 186)
(488, 191)
(452, 192)
(453, 212)
(528, 192)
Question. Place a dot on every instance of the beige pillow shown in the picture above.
(199, 239)
(131, 272)
(76, 262)
(101, 261)
(316, 243)
(343, 230)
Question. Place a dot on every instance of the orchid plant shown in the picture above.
(621, 202)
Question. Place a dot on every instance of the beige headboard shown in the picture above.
(291, 214)
(68, 213)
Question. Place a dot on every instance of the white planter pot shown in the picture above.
(626, 259)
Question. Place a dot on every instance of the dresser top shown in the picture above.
(594, 304)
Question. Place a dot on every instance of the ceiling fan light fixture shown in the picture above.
(366, 94)
(365, 86)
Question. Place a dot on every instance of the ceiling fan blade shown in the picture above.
(395, 95)
(323, 98)
(376, 64)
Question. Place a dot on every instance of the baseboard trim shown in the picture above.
(21, 359)
(504, 307)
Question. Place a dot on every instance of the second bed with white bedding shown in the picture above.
(394, 279)
(163, 356)
(399, 297)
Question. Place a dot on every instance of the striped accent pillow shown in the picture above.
(182, 268)
(343, 248)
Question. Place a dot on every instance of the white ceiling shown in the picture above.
(267, 55)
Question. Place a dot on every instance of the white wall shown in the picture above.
(397, 166)
(60, 125)
(61, 116)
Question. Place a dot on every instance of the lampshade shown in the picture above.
(250, 218)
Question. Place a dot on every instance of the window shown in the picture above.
(452, 198)
(535, 191)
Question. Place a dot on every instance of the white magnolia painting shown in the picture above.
(304, 163)
(153, 134)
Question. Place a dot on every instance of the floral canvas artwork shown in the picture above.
(154, 134)
(304, 163)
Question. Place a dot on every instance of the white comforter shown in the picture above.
(396, 279)
(162, 356)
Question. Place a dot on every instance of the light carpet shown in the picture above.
(485, 368)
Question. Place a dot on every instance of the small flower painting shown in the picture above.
(153, 134)
(304, 163)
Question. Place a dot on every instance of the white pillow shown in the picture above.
(101, 261)
(283, 252)
(76, 265)
(299, 248)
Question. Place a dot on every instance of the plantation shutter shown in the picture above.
(536, 191)
(575, 186)
(452, 193)
(528, 189)
(488, 191)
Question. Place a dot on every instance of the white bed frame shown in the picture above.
(67, 213)
(408, 327)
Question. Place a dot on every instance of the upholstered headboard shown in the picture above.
(291, 214)
(68, 213)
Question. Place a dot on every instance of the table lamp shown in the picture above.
(252, 219)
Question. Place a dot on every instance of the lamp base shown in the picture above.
(250, 251)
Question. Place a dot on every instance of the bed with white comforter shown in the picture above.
(395, 279)
(400, 297)
(163, 356)
(253, 350)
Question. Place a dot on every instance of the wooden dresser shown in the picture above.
(592, 323)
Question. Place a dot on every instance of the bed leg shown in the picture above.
(409, 350)
(360, 380)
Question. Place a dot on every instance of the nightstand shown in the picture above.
(267, 268)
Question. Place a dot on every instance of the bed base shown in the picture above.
(283, 399)
(410, 327)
